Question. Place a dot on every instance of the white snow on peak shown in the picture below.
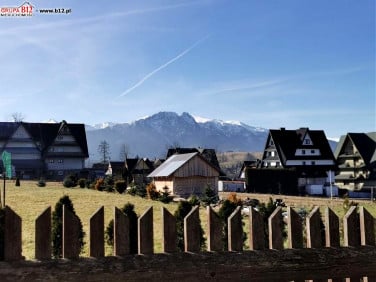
(104, 125)
(201, 119)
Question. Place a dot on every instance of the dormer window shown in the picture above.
(307, 142)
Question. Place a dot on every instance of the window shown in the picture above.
(303, 163)
(313, 163)
(307, 142)
(312, 151)
(272, 153)
(51, 161)
(303, 152)
(60, 172)
(60, 161)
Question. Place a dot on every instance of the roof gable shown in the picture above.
(172, 164)
(287, 142)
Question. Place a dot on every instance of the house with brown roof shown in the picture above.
(184, 175)
(306, 151)
(50, 150)
(356, 158)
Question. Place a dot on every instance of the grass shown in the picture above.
(29, 201)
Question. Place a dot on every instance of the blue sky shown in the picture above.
(272, 63)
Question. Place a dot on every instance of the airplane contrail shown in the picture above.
(146, 77)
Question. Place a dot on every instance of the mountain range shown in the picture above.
(152, 136)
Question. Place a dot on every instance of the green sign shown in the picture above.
(7, 162)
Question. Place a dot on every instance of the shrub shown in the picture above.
(57, 226)
(194, 200)
(128, 210)
(132, 189)
(182, 211)
(152, 192)
(210, 196)
(234, 199)
(141, 191)
(266, 211)
(165, 196)
(18, 182)
(70, 181)
(99, 184)
(120, 186)
(41, 183)
(82, 182)
(227, 208)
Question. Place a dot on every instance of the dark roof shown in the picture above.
(287, 141)
(365, 144)
(44, 134)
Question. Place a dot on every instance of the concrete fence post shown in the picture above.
(97, 233)
(145, 233)
(43, 235)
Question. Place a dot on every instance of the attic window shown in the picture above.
(307, 142)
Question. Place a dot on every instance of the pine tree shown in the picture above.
(57, 226)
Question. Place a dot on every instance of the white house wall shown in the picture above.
(309, 162)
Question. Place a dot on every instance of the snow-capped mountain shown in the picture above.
(152, 136)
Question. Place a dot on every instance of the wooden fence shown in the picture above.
(312, 253)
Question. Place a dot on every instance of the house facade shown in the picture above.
(304, 150)
(185, 175)
(50, 150)
(356, 158)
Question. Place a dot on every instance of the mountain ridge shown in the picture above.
(151, 136)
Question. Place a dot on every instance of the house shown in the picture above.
(50, 150)
(247, 164)
(209, 154)
(304, 150)
(185, 175)
(356, 158)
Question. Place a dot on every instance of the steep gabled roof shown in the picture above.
(365, 144)
(44, 134)
(288, 141)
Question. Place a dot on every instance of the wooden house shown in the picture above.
(356, 159)
(50, 150)
(304, 150)
(186, 174)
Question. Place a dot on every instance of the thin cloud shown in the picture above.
(146, 77)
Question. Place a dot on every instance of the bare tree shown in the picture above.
(17, 117)
(124, 152)
(104, 151)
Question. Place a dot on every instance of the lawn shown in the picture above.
(29, 201)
